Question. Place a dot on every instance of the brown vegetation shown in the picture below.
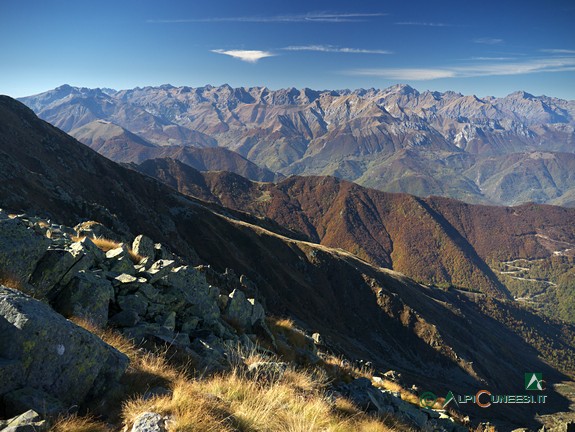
(106, 245)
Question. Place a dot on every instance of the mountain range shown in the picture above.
(442, 339)
(506, 151)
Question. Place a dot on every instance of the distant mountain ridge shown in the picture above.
(506, 150)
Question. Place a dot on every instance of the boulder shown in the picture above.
(133, 302)
(51, 354)
(88, 296)
(149, 422)
(143, 246)
(20, 248)
(58, 266)
(193, 294)
(241, 311)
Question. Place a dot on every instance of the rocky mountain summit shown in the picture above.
(508, 150)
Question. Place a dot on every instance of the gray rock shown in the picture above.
(30, 421)
(119, 252)
(267, 370)
(20, 248)
(195, 296)
(12, 373)
(149, 422)
(190, 324)
(241, 311)
(127, 318)
(86, 296)
(143, 246)
(133, 302)
(148, 291)
(169, 321)
(56, 356)
(159, 269)
(123, 264)
(58, 266)
(29, 398)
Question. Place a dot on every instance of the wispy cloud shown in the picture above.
(335, 49)
(405, 73)
(488, 41)
(323, 17)
(424, 24)
(492, 58)
(250, 56)
(558, 51)
(553, 64)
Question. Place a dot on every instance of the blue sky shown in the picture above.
(474, 47)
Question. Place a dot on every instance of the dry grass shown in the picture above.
(293, 402)
(78, 424)
(11, 281)
(106, 245)
(288, 338)
(232, 402)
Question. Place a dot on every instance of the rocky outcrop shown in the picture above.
(20, 249)
(143, 292)
(42, 353)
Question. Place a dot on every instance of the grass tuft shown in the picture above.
(79, 424)
(106, 245)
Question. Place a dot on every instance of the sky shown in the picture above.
(474, 47)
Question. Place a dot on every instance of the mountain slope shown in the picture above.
(434, 240)
(120, 145)
(397, 139)
(440, 340)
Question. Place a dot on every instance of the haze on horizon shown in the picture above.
(483, 48)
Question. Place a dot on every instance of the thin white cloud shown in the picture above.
(558, 51)
(488, 41)
(424, 24)
(553, 64)
(250, 56)
(309, 18)
(492, 58)
(405, 73)
(335, 49)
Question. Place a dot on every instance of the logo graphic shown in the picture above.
(450, 398)
(534, 381)
(427, 399)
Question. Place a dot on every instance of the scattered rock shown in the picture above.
(267, 370)
(149, 422)
(30, 421)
